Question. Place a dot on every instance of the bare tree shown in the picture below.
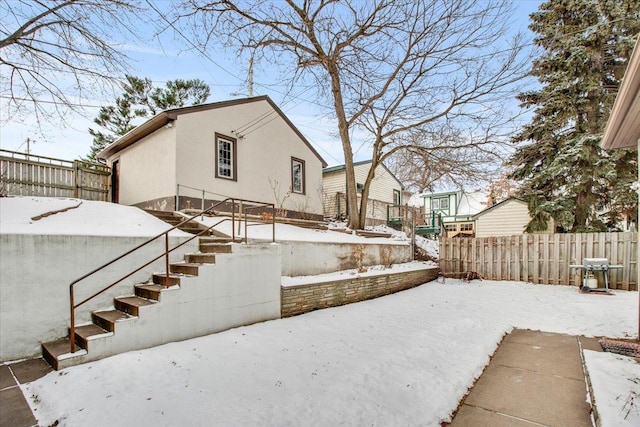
(386, 66)
(55, 55)
(444, 158)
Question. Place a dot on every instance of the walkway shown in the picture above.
(14, 409)
(533, 379)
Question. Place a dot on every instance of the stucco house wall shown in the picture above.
(174, 153)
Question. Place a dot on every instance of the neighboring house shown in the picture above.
(456, 209)
(246, 149)
(386, 190)
(506, 218)
(623, 127)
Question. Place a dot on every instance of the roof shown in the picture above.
(168, 116)
(623, 127)
(505, 201)
(341, 168)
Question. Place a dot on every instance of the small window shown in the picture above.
(396, 198)
(297, 175)
(466, 227)
(451, 227)
(441, 203)
(225, 157)
(359, 188)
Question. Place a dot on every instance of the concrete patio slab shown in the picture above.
(30, 370)
(471, 416)
(534, 378)
(14, 410)
(560, 360)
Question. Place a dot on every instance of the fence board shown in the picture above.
(29, 175)
(542, 259)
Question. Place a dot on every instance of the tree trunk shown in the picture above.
(343, 129)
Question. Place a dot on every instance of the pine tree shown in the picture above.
(565, 174)
(141, 100)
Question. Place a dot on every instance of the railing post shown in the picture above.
(177, 207)
(240, 221)
(233, 220)
(202, 202)
(166, 259)
(273, 222)
(72, 330)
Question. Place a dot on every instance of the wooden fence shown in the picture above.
(542, 258)
(28, 175)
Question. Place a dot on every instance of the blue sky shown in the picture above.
(226, 76)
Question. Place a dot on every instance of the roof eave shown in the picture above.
(623, 127)
(137, 133)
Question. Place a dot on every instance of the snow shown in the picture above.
(287, 232)
(354, 273)
(616, 388)
(403, 359)
(429, 246)
(64, 216)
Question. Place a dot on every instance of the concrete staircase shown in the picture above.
(96, 340)
(175, 218)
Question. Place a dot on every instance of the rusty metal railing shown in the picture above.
(242, 210)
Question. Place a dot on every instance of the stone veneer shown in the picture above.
(313, 296)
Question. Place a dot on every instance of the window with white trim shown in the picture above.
(297, 176)
(225, 157)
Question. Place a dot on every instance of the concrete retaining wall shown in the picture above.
(241, 288)
(311, 258)
(35, 273)
(304, 298)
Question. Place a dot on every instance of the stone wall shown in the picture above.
(308, 297)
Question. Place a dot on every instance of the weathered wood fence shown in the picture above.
(542, 258)
(29, 175)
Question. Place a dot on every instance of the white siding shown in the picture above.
(380, 191)
(508, 219)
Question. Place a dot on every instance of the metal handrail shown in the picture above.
(73, 305)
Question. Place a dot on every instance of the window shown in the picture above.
(451, 227)
(396, 197)
(297, 176)
(466, 227)
(225, 157)
(359, 187)
(441, 203)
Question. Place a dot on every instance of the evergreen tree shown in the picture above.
(141, 100)
(565, 174)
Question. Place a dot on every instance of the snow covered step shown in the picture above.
(150, 291)
(131, 304)
(56, 352)
(161, 279)
(184, 268)
(219, 248)
(108, 319)
(87, 333)
(202, 258)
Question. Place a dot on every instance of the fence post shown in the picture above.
(76, 178)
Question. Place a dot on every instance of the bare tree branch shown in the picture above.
(55, 55)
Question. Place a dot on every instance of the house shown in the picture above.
(623, 126)
(505, 218)
(190, 157)
(386, 190)
(455, 209)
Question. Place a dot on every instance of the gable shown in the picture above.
(166, 118)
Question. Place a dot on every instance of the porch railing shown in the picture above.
(234, 202)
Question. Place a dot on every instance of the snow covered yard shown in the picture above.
(404, 359)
